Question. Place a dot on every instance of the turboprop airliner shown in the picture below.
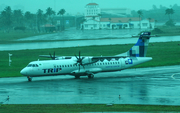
(89, 65)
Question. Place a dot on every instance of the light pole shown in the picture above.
(10, 59)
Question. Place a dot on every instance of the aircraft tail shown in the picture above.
(140, 48)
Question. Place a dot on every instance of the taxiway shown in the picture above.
(151, 86)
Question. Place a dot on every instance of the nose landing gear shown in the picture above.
(29, 78)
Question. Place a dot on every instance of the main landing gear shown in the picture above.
(91, 76)
(29, 78)
(77, 76)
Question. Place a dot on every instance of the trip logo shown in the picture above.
(52, 70)
(129, 61)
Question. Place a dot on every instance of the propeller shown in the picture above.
(52, 57)
(79, 60)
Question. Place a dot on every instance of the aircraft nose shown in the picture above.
(23, 72)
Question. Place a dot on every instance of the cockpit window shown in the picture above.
(32, 65)
(29, 65)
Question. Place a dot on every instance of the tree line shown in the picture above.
(17, 20)
(162, 14)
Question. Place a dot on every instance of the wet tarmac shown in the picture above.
(76, 38)
(76, 43)
(150, 86)
(74, 34)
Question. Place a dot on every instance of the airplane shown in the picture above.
(89, 65)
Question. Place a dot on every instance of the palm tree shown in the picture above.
(140, 15)
(62, 12)
(169, 12)
(50, 12)
(6, 16)
(39, 18)
(29, 17)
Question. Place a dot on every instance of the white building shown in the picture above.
(93, 20)
(116, 11)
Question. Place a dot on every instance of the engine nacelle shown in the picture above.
(62, 58)
(89, 60)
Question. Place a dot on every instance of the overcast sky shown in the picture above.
(74, 6)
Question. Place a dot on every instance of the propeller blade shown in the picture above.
(79, 55)
(79, 67)
(50, 55)
(53, 57)
(79, 60)
(83, 66)
(76, 57)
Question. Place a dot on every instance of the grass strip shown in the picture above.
(62, 108)
(163, 54)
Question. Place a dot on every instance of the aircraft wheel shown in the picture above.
(91, 76)
(29, 78)
(77, 77)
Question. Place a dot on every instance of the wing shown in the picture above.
(46, 56)
(101, 58)
(56, 57)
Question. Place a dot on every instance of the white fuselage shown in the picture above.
(67, 67)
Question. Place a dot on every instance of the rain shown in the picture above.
(44, 24)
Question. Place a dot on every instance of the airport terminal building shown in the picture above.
(94, 19)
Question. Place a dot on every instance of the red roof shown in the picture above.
(123, 20)
(92, 4)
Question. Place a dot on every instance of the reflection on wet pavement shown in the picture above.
(152, 86)
(85, 34)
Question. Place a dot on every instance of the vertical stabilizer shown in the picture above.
(140, 48)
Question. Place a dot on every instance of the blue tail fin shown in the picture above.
(140, 48)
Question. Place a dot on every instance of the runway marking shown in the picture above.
(172, 76)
